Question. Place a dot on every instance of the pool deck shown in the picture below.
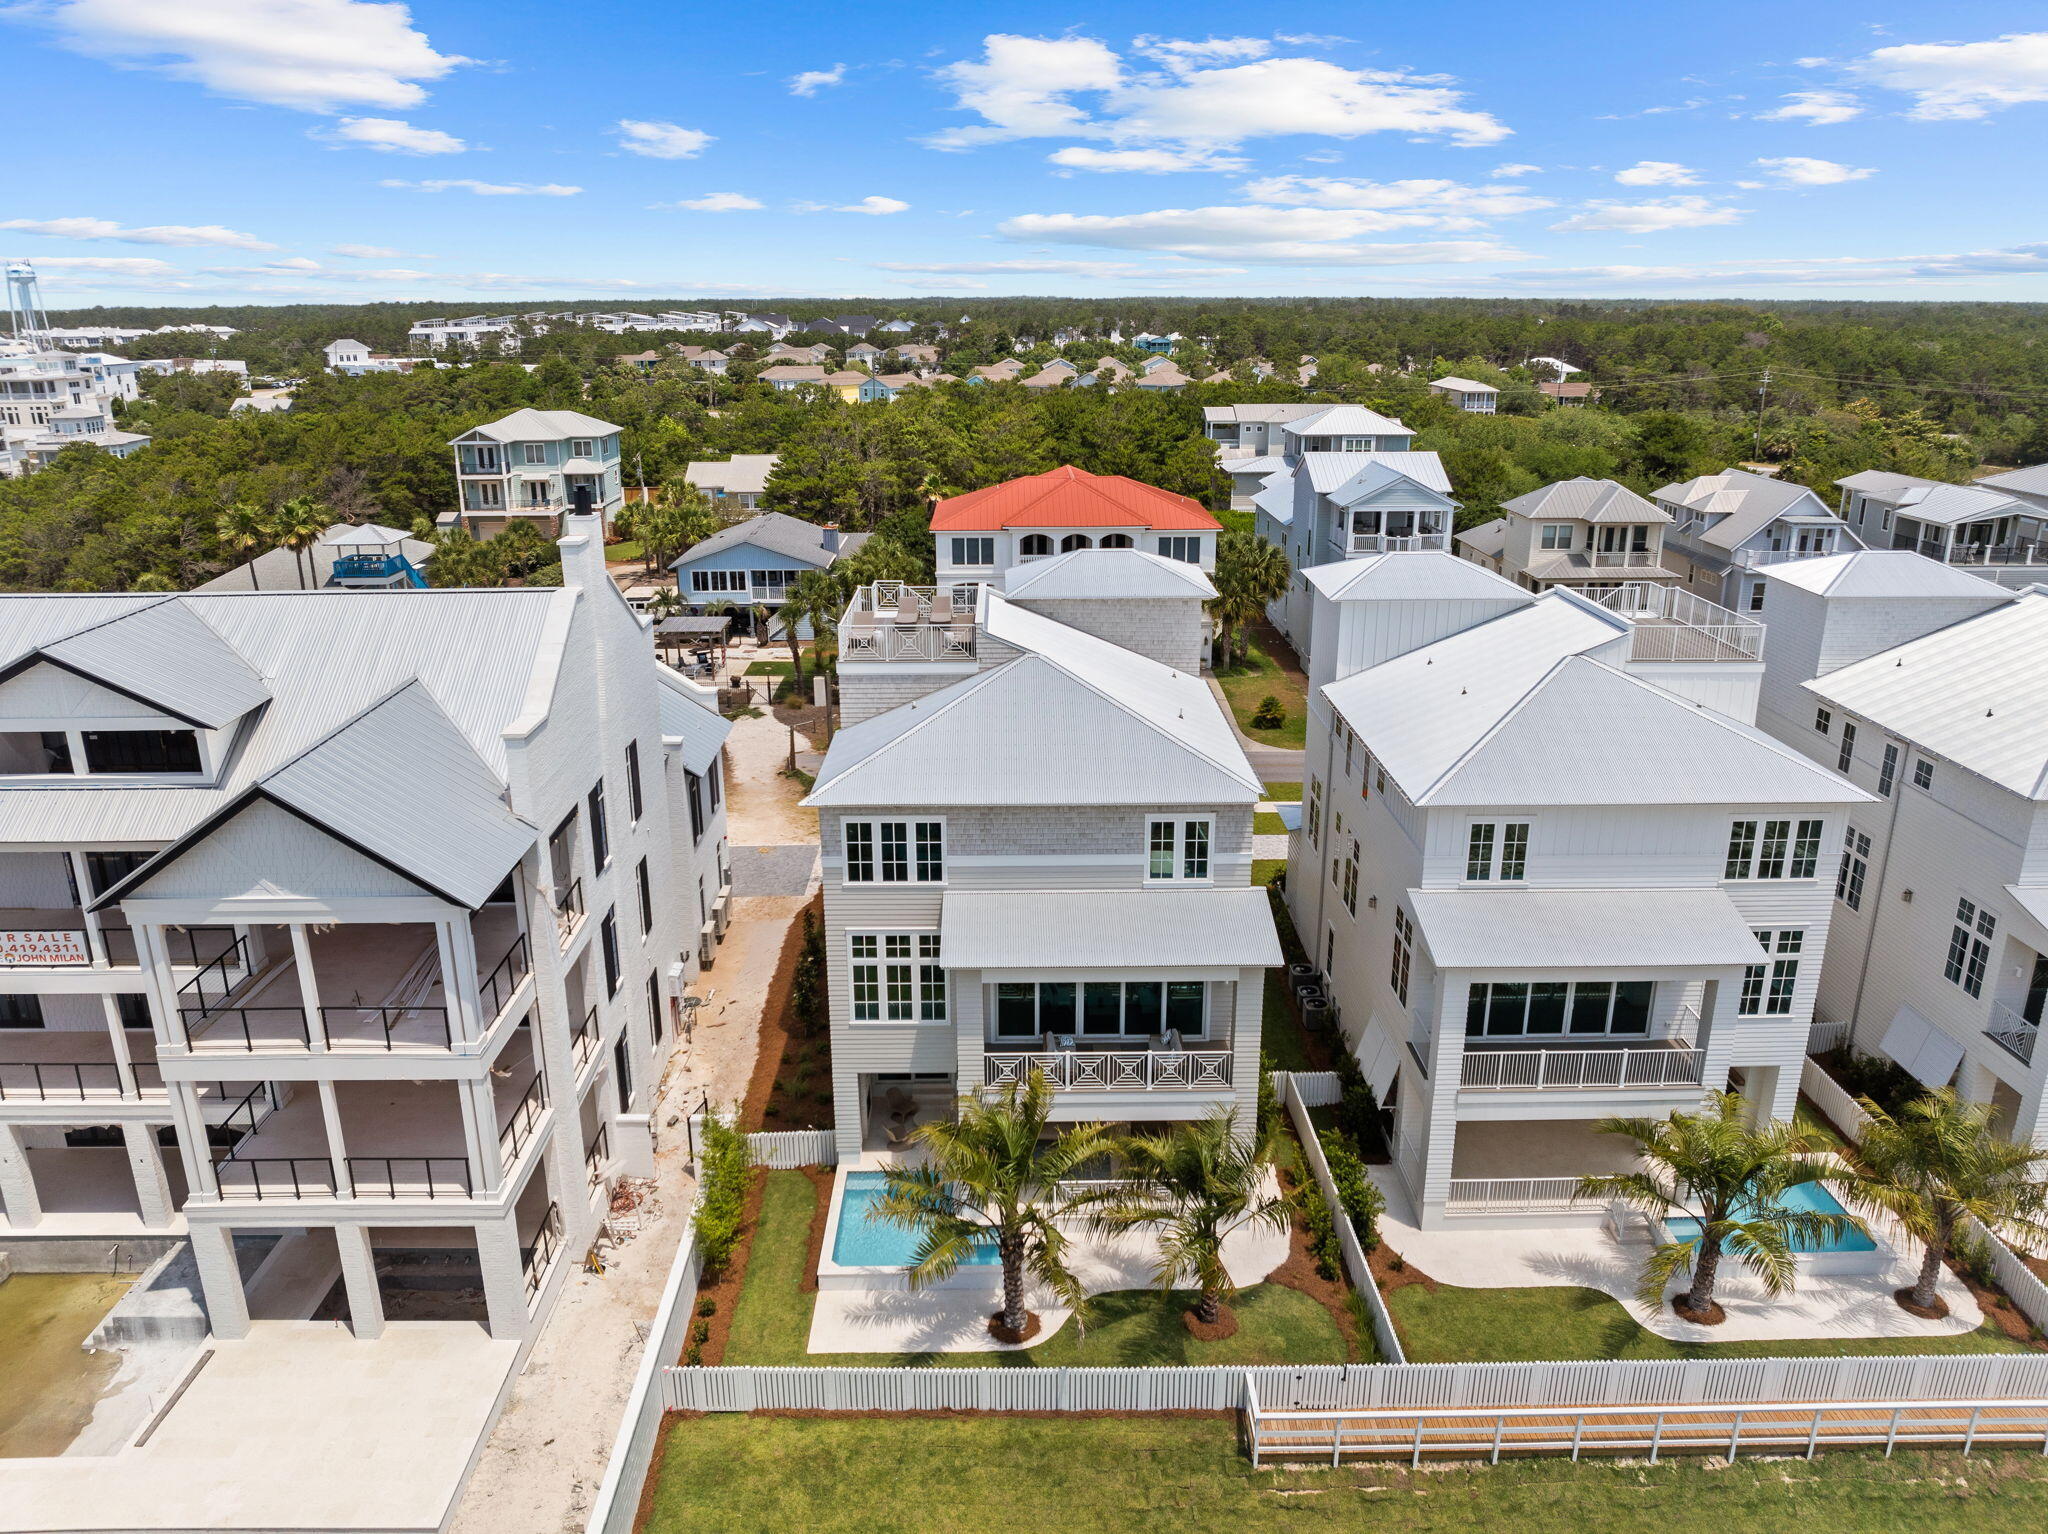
(298, 1426)
(1843, 1305)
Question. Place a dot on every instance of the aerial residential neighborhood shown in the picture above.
(946, 773)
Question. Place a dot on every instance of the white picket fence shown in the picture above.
(2019, 1281)
(784, 1150)
(1318, 1089)
(625, 1474)
(1355, 1267)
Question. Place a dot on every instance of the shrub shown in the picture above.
(1269, 1096)
(1972, 1256)
(1363, 1203)
(807, 984)
(721, 1194)
(1861, 1075)
(1269, 715)
(707, 1306)
(1358, 1109)
(1322, 1230)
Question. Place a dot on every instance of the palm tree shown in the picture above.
(1728, 1178)
(992, 1181)
(1196, 1185)
(1935, 1163)
(242, 527)
(1250, 573)
(814, 598)
(298, 524)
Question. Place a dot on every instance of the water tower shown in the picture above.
(27, 319)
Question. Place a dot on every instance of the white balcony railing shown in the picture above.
(1756, 559)
(1392, 543)
(1543, 1070)
(1158, 1070)
(892, 620)
(1625, 559)
(1671, 624)
(2012, 1032)
(1517, 1194)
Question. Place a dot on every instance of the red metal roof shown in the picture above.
(1069, 497)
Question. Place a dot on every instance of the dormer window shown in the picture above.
(142, 751)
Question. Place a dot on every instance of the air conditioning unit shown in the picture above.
(707, 944)
(721, 916)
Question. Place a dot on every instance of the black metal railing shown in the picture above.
(247, 1028)
(583, 1043)
(521, 1122)
(569, 908)
(194, 946)
(63, 1080)
(266, 1177)
(383, 1028)
(535, 1259)
(597, 1153)
(504, 980)
(216, 975)
(410, 1176)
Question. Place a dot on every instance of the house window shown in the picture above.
(1187, 550)
(1767, 987)
(1823, 720)
(1404, 952)
(1177, 849)
(1969, 947)
(1315, 812)
(582, 447)
(974, 552)
(600, 835)
(1855, 868)
(1497, 851)
(21, 1011)
(1031, 545)
(141, 751)
(1756, 597)
(1075, 541)
(534, 452)
(1923, 773)
(134, 1010)
(1555, 535)
(714, 775)
(1116, 541)
(1848, 752)
(654, 1007)
(897, 977)
(1101, 1008)
(895, 852)
(1772, 849)
(1518, 1008)
(635, 801)
(693, 787)
(104, 870)
(608, 936)
(1351, 879)
(718, 580)
(1888, 770)
(644, 883)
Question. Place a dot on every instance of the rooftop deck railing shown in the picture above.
(893, 620)
(1671, 624)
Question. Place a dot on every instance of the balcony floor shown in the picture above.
(1538, 1148)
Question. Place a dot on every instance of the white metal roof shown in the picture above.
(777, 532)
(1882, 573)
(1328, 472)
(1463, 385)
(368, 535)
(1346, 421)
(1107, 573)
(1975, 693)
(1587, 500)
(1264, 414)
(1513, 712)
(1947, 505)
(1882, 483)
(156, 650)
(530, 425)
(1582, 929)
(1420, 575)
(1744, 503)
(2028, 481)
(1109, 929)
(1074, 720)
(1265, 463)
(700, 728)
(1276, 500)
(1488, 538)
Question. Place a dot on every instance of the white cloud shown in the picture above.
(1818, 107)
(1311, 39)
(1445, 204)
(1658, 173)
(1024, 87)
(125, 266)
(375, 252)
(661, 141)
(1052, 268)
(1798, 170)
(1286, 236)
(1962, 80)
(311, 55)
(811, 81)
(875, 205)
(491, 188)
(1652, 217)
(1152, 162)
(299, 266)
(1819, 271)
(1181, 53)
(717, 202)
(391, 136)
(1516, 169)
(151, 234)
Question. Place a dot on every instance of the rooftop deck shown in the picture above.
(1670, 624)
(892, 620)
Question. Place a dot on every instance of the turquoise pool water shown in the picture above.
(860, 1242)
(1807, 1196)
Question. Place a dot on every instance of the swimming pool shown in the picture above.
(1849, 1251)
(860, 1242)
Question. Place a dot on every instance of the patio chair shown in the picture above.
(942, 607)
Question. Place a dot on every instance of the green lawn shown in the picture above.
(1284, 793)
(1249, 678)
(1810, 1119)
(1510, 1325)
(1263, 870)
(972, 1474)
(768, 668)
(773, 1321)
(1280, 1037)
(1266, 823)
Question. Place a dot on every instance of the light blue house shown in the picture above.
(753, 563)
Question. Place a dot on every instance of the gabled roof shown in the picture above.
(1975, 692)
(1167, 375)
(542, 425)
(399, 784)
(1267, 414)
(775, 531)
(1276, 500)
(1070, 497)
(1587, 500)
(1488, 538)
(792, 372)
(1268, 463)
(1948, 505)
(1329, 471)
(701, 729)
(1344, 421)
(1420, 575)
(1882, 573)
(1515, 711)
(1073, 720)
(158, 652)
(2028, 481)
(1882, 483)
(1085, 574)
(1377, 477)
(737, 474)
(1744, 503)
(1463, 385)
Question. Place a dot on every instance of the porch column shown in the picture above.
(359, 1275)
(17, 1181)
(117, 1038)
(220, 1280)
(162, 988)
(497, 1250)
(95, 940)
(480, 1130)
(146, 1164)
(337, 1149)
(189, 1114)
(309, 986)
(460, 982)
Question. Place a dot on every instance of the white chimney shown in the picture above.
(582, 541)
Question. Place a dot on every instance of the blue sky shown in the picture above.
(482, 151)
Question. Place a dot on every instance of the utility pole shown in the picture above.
(1762, 388)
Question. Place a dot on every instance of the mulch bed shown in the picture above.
(1299, 1273)
(1391, 1271)
(1225, 1324)
(1003, 1334)
(766, 1108)
(725, 1294)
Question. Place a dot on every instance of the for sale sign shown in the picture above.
(33, 948)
